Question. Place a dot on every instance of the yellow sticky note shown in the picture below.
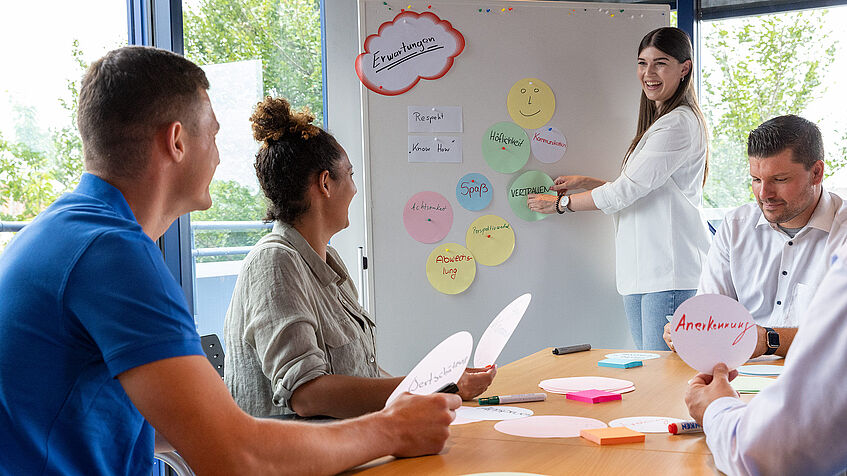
(491, 239)
(450, 268)
(531, 103)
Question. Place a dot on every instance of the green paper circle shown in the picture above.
(531, 181)
(513, 138)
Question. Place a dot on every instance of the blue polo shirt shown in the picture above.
(84, 296)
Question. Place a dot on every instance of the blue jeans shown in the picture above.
(646, 315)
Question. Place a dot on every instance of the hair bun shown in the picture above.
(273, 119)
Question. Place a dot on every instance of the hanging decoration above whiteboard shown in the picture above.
(406, 49)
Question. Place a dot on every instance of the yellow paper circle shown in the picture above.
(531, 103)
(450, 268)
(491, 239)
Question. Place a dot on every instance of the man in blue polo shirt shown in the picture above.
(96, 344)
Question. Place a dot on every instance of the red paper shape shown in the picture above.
(364, 72)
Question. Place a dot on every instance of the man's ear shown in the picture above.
(323, 183)
(173, 137)
(817, 172)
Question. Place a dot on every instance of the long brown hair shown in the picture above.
(676, 43)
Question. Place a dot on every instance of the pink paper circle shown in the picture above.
(711, 328)
(578, 384)
(548, 426)
(428, 217)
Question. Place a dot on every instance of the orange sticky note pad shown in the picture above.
(612, 436)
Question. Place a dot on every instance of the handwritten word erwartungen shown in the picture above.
(417, 46)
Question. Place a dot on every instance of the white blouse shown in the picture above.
(660, 240)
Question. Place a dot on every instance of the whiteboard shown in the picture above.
(586, 52)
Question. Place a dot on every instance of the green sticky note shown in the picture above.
(505, 147)
(531, 181)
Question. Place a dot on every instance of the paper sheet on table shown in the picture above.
(499, 412)
(711, 328)
(646, 424)
(508, 473)
(548, 426)
(632, 355)
(578, 384)
(746, 384)
(441, 366)
(762, 370)
(497, 334)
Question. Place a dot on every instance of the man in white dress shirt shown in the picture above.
(795, 426)
(772, 255)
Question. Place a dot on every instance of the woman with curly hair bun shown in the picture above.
(297, 340)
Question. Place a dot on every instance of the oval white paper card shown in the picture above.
(711, 328)
(443, 365)
(495, 337)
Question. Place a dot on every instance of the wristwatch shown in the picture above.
(562, 204)
(772, 340)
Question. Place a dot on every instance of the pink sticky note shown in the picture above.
(593, 396)
(428, 217)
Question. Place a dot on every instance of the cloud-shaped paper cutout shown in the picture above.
(406, 49)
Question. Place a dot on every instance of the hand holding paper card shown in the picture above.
(709, 329)
(442, 365)
(501, 328)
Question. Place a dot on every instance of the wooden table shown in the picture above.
(659, 388)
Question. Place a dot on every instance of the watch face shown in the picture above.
(773, 339)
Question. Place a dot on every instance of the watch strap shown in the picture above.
(559, 208)
(768, 333)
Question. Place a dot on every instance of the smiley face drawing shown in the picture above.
(531, 103)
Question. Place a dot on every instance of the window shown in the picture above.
(46, 48)
(249, 49)
(758, 67)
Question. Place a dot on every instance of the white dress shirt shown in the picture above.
(795, 426)
(773, 275)
(660, 240)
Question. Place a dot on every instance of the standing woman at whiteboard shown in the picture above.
(660, 240)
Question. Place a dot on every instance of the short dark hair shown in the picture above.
(125, 97)
(292, 153)
(787, 132)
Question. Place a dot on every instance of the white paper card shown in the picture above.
(501, 328)
(435, 149)
(435, 119)
(496, 413)
(443, 365)
(711, 328)
(645, 424)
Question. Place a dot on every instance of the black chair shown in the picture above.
(214, 352)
